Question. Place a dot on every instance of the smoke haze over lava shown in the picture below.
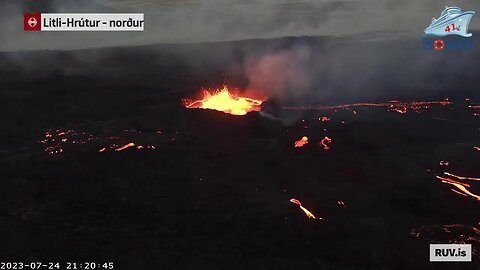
(341, 143)
(187, 21)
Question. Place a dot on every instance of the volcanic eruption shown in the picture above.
(224, 100)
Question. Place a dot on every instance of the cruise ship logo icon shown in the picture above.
(452, 21)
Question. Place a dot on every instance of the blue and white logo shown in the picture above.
(452, 21)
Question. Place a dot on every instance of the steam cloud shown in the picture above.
(281, 75)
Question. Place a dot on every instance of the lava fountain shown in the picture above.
(226, 101)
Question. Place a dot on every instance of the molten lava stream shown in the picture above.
(128, 145)
(393, 105)
(305, 210)
(225, 101)
(462, 188)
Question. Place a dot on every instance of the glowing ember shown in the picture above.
(341, 203)
(308, 213)
(444, 163)
(56, 141)
(450, 233)
(456, 233)
(54, 150)
(324, 143)
(325, 119)
(225, 101)
(476, 148)
(303, 141)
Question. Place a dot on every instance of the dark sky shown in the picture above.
(178, 21)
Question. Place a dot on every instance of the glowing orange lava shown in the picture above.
(324, 143)
(118, 148)
(55, 141)
(455, 233)
(462, 177)
(225, 101)
(303, 141)
(394, 105)
(128, 145)
(462, 188)
(308, 213)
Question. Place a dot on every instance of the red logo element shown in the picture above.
(439, 44)
(32, 22)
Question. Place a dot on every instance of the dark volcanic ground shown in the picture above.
(215, 191)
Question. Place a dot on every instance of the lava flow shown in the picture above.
(324, 142)
(302, 142)
(128, 145)
(225, 101)
(55, 141)
(462, 188)
(308, 213)
(450, 233)
(393, 105)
